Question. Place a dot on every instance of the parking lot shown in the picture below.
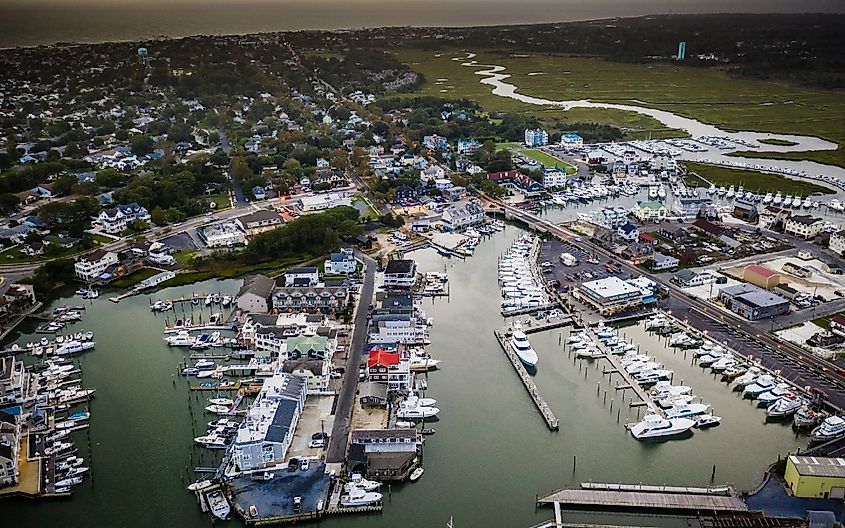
(589, 267)
(316, 417)
(275, 497)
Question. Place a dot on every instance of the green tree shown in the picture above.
(158, 216)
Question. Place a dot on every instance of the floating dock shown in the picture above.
(629, 381)
(528, 382)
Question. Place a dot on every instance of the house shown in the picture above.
(837, 325)
(372, 394)
(405, 193)
(815, 477)
(321, 202)
(837, 243)
(673, 231)
(689, 278)
(255, 294)
(650, 211)
(222, 234)
(468, 147)
(461, 215)
(803, 226)
(454, 193)
(571, 141)
(690, 207)
(628, 232)
(752, 302)
(385, 454)
(14, 299)
(307, 346)
(774, 218)
(638, 252)
(116, 219)
(664, 262)
(325, 299)
(761, 276)
(536, 137)
(435, 142)
(10, 440)
(307, 276)
(258, 192)
(259, 221)
(89, 267)
(745, 211)
(708, 227)
(314, 372)
(266, 432)
(516, 180)
(400, 273)
(389, 368)
(554, 178)
(341, 263)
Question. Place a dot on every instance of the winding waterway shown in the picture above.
(492, 452)
(492, 75)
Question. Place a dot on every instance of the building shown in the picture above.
(628, 232)
(435, 142)
(673, 231)
(803, 226)
(385, 454)
(259, 221)
(837, 243)
(516, 180)
(690, 207)
(745, 211)
(610, 295)
(10, 440)
(468, 146)
(689, 278)
(536, 137)
(119, 218)
(222, 234)
(837, 325)
(753, 302)
(774, 218)
(761, 276)
(664, 262)
(554, 178)
(255, 294)
(816, 477)
(15, 299)
(798, 270)
(461, 215)
(397, 328)
(650, 211)
(341, 263)
(321, 202)
(266, 433)
(325, 299)
(302, 277)
(571, 141)
(390, 369)
(400, 273)
(89, 267)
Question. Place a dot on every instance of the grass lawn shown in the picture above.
(135, 278)
(824, 322)
(102, 239)
(755, 181)
(546, 159)
(710, 95)
(230, 270)
(185, 257)
(221, 201)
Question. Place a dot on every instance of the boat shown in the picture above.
(200, 485)
(832, 427)
(72, 481)
(218, 504)
(762, 384)
(421, 364)
(74, 347)
(684, 410)
(182, 338)
(190, 371)
(358, 481)
(80, 416)
(405, 425)
(666, 387)
(749, 377)
(218, 409)
(204, 364)
(228, 402)
(416, 401)
(417, 413)
(522, 347)
(212, 441)
(360, 498)
(805, 417)
(416, 474)
(785, 406)
(654, 426)
(707, 420)
(773, 395)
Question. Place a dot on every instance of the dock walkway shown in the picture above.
(629, 381)
(528, 382)
(551, 325)
(652, 498)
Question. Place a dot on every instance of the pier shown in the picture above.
(559, 322)
(528, 382)
(629, 381)
(633, 498)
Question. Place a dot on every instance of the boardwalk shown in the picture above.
(649, 499)
(528, 382)
(551, 325)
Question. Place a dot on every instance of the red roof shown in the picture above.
(648, 237)
(760, 270)
(383, 358)
(838, 319)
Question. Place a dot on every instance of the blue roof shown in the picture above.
(282, 421)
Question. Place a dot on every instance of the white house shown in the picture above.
(628, 232)
(461, 215)
(571, 141)
(90, 267)
(554, 178)
(307, 276)
(400, 273)
(259, 221)
(690, 278)
(664, 262)
(341, 263)
(650, 211)
(320, 202)
(255, 294)
(118, 218)
(837, 242)
(803, 226)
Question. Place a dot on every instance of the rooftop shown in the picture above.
(819, 466)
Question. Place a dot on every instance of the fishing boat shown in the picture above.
(358, 497)
(212, 441)
(218, 504)
(706, 420)
(655, 426)
(357, 481)
(416, 474)
(785, 406)
(805, 417)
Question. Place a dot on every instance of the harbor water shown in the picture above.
(491, 455)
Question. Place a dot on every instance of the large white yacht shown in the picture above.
(522, 348)
(832, 427)
(785, 406)
(653, 426)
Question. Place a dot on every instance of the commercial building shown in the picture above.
(307, 276)
(816, 477)
(761, 276)
(461, 215)
(536, 137)
(516, 180)
(400, 273)
(554, 178)
(752, 302)
(389, 368)
(222, 234)
(259, 221)
(324, 299)
(571, 141)
(803, 226)
(90, 267)
(385, 454)
(320, 202)
(266, 433)
(610, 295)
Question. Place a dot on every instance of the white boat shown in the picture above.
(706, 420)
(74, 347)
(832, 427)
(228, 402)
(219, 409)
(218, 504)
(685, 410)
(749, 377)
(762, 384)
(357, 481)
(419, 363)
(72, 481)
(522, 348)
(654, 426)
(805, 417)
(204, 364)
(359, 497)
(416, 474)
(212, 441)
(415, 401)
(666, 387)
(774, 394)
(417, 413)
(182, 338)
(785, 406)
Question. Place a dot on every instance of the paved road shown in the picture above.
(794, 362)
(226, 145)
(346, 399)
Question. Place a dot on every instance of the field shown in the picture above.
(754, 181)
(549, 161)
(709, 95)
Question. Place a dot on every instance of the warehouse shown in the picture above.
(752, 302)
(816, 477)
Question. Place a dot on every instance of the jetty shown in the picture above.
(528, 382)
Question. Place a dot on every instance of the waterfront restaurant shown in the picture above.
(610, 295)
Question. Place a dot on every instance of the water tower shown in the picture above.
(143, 56)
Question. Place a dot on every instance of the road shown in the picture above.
(745, 336)
(239, 200)
(346, 399)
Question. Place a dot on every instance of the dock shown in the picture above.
(528, 382)
(559, 322)
(634, 498)
(628, 380)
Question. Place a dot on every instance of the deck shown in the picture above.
(645, 498)
(528, 382)
(643, 398)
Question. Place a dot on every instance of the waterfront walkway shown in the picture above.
(642, 498)
(628, 379)
(528, 382)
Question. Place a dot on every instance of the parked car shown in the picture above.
(305, 464)
(317, 444)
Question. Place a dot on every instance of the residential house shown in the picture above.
(259, 221)
(628, 232)
(435, 142)
(222, 234)
(837, 243)
(469, 146)
(389, 368)
(307, 276)
(774, 218)
(400, 273)
(803, 226)
(259, 193)
(673, 231)
(10, 441)
(255, 294)
(341, 263)
(14, 299)
(516, 180)
(326, 299)
(89, 267)
(650, 211)
(116, 219)
(689, 278)
(664, 262)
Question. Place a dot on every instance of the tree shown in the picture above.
(65, 184)
(158, 216)
(141, 144)
(8, 203)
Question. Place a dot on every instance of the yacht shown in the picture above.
(773, 395)
(762, 384)
(749, 377)
(182, 338)
(420, 363)
(707, 420)
(796, 202)
(711, 189)
(768, 198)
(359, 482)
(522, 348)
(672, 400)
(359, 497)
(836, 205)
(661, 192)
(785, 406)
(212, 441)
(221, 401)
(807, 204)
(731, 192)
(650, 377)
(777, 199)
(722, 191)
(832, 427)
(415, 401)
(417, 413)
(73, 347)
(686, 410)
(805, 417)
(666, 387)
(204, 364)
(218, 504)
(652, 192)
(654, 426)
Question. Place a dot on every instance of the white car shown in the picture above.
(314, 444)
(304, 464)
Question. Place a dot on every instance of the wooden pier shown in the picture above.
(644, 499)
(629, 381)
(523, 311)
(528, 382)
(559, 322)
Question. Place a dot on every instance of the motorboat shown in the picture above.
(204, 364)
(762, 384)
(416, 474)
(749, 377)
(357, 481)
(832, 427)
(74, 347)
(182, 338)
(649, 377)
(190, 371)
(415, 401)
(212, 441)
(75, 471)
(728, 360)
(421, 364)
(359, 497)
(773, 395)
(655, 426)
(707, 420)
(219, 409)
(67, 482)
(227, 402)
(666, 387)
(806, 417)
(673, 400)
(785, 406)
(405, 425)
(417, 413)
(218, 504)
(202, 341)
(685, 410)
(642, 366)
(522, 348)
(79, 417)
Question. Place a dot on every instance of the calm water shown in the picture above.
(492, 452)
(34, 22)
